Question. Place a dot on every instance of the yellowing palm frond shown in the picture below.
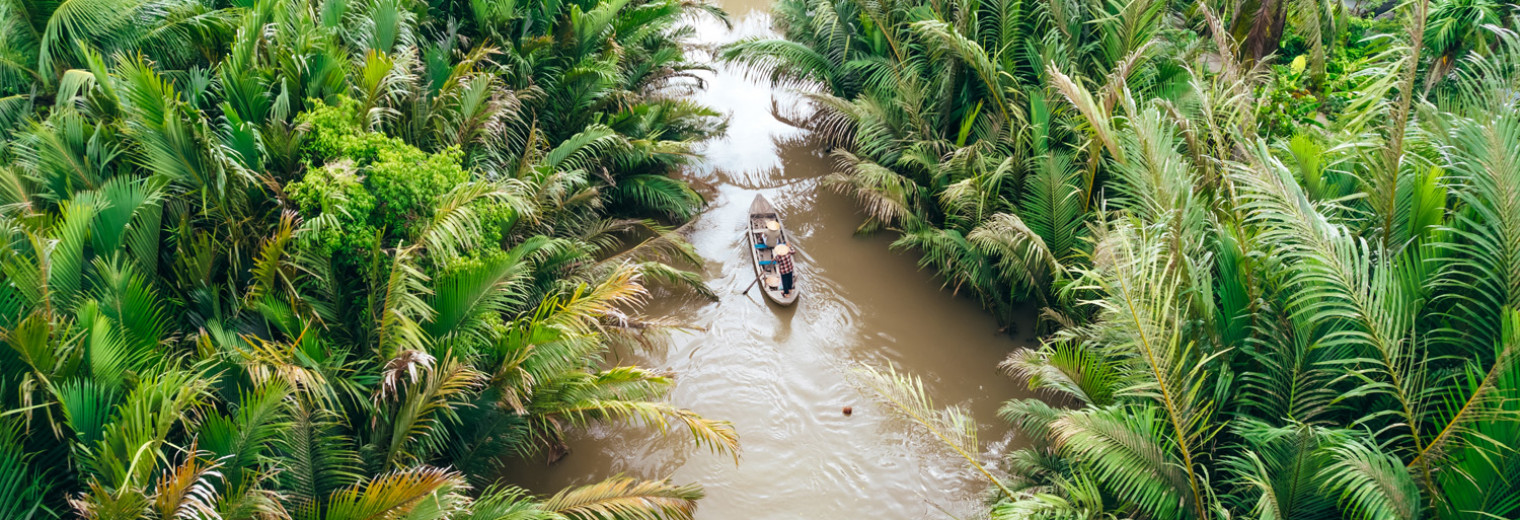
(188, 491)
(1098, 119)
(626, 499)
(400, 494)
(904, 394)
(626, 393)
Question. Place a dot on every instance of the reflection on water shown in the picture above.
(781, 374)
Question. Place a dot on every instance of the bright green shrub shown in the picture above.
(338, 192)
(1287, 103)
(329, 127)
(496, 221)
(406, 182)
(370, 181)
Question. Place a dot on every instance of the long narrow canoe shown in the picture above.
(765, 231)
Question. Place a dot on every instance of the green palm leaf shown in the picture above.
(1371, 483)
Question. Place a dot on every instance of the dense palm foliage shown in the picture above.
(1273, 244)
(334, 259)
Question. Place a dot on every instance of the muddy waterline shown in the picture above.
(781, 375)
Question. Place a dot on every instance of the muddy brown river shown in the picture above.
(782, 375)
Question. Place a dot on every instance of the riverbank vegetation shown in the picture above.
(335, 259)
(1273, 244)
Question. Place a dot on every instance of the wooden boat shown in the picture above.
(764, 232)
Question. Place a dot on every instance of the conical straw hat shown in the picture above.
(773, 225)
(783, 250)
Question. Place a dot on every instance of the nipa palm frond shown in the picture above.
(401, 493)
(904, 394)
(622, 497)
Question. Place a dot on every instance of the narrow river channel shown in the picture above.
(782, 374)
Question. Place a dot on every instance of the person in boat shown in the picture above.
(784, 266)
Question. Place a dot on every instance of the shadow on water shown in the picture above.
(781, 375)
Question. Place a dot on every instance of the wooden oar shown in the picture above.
(748, 287)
